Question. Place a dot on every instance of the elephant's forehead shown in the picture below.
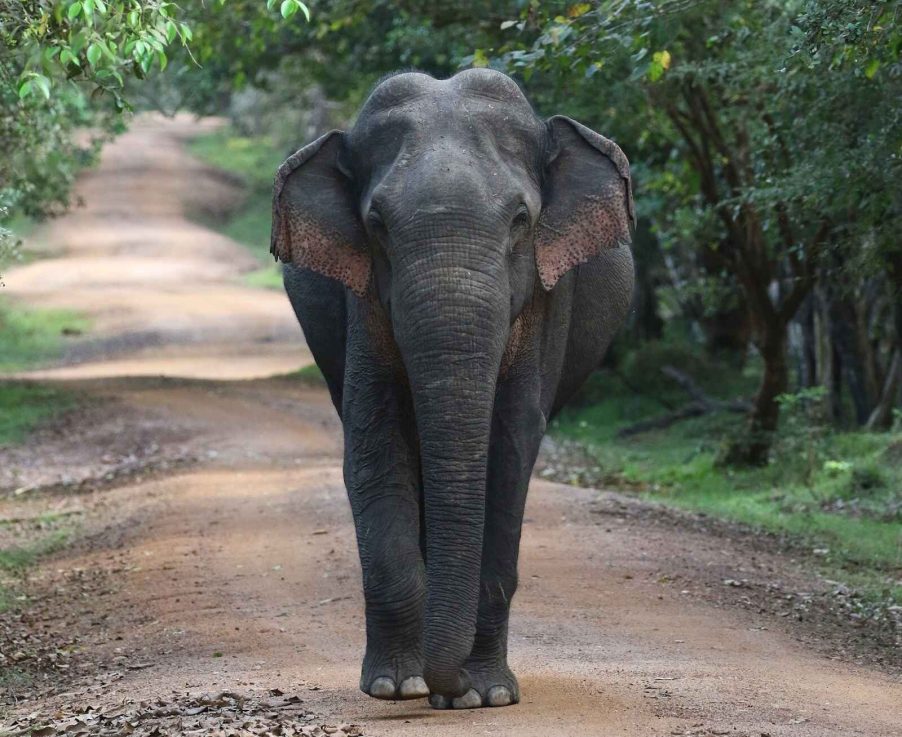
(477, 105)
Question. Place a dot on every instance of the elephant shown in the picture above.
(458, 267)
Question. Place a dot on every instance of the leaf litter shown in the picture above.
(225, 714)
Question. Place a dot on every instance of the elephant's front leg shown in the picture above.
(382, 478)
(517, 429)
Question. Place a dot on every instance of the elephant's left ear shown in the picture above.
(587, 199)
(314, 220)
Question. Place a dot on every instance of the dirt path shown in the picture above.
(226, 561)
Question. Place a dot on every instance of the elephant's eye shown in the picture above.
(376, 225)
(374, 220)
(519, 226)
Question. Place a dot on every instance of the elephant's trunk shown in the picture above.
(451, 317)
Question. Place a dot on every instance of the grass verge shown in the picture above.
(30, 337)
(34, 539)
(25, 405)
(255, 160)
(838, 494)
(309, 375)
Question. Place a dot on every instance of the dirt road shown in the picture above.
(225, 560)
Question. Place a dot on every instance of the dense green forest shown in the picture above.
(761, 370)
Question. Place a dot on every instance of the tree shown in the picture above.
(65, 66)
(770, 165)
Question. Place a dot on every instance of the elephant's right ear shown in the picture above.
(588, 199)
(314, 216)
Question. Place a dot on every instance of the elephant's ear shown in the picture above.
(587, 199)
(314, 218)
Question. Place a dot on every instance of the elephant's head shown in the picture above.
(451, 203)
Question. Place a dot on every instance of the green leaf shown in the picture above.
(305, 10)
(77, 42)
(67, 57)
(655, 71)
(871, 69)
(94, 53)
(507, 24)
(289, 8)
(161, 58)
(575, 11)
(25, 89)
(660, 61)
(480, 59)
(270, 4)
(74, 10)
(43, 84)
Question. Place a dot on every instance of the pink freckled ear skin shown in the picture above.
(311, 246)
(314, 224)
(587, 200)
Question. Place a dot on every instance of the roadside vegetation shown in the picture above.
(254, 159)
(26, 405)
(24, 542)
(29, 338)
(833, 496)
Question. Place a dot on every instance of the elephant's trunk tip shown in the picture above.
(450, 682)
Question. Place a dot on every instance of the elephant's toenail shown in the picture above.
(437, 701)
(382, 688)
(413, 688)
(470, 700)
(499, 696)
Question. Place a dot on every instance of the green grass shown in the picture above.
(45, 535)
(24, 405)
(267, 277)
(309, 375)
(255, 160)
(250, 226)
(17, 559)
(837, 494)
(30, 337)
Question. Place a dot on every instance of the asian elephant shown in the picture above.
(459, 267)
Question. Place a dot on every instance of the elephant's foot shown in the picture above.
(393, 679)
(491, 684)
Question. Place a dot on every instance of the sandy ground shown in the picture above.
(218, 553)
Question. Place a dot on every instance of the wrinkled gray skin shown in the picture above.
(459, 267)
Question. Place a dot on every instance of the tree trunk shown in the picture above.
(753, 449)
(647, 324)
(882, 416)
(844, 335)
(808, 363)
